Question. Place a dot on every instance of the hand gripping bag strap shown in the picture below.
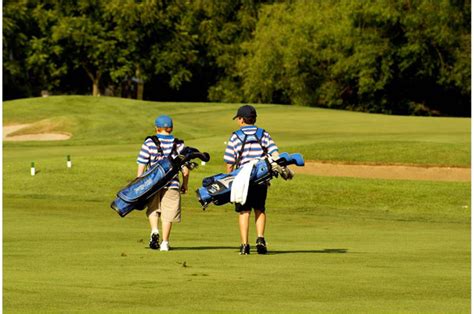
(242, 136)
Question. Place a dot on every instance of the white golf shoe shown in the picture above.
(164, 246)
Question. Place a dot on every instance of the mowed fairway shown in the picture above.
(337, 245)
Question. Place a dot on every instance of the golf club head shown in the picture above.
(189, 150)
(297, 159)
(285, 156)
(203, 156)
(293, 159)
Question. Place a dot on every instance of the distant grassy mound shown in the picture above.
(320, 134)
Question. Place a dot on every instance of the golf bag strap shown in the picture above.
(237, 161)
(157, 143)
(243, 138)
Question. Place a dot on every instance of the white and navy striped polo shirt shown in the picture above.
(251, 150)
(149, 154)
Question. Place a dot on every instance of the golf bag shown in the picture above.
(138, 192)
(217, 189)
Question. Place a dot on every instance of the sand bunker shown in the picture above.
(386, 172)
(311, 167)
(9, 129)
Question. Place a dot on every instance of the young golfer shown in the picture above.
(166, 204)
(244, 145)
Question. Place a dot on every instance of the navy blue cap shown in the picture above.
(164, 122)
(246, 111)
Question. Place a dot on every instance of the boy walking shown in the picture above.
(166, 204)
(246, 144)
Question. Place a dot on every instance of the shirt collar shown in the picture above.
(164, 136)
(248, 127)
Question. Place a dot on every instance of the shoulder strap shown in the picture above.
(157, 143)
(259, 134)
(242, 138)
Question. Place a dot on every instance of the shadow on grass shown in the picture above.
(270, 252)
(203, 248)
(325, 251)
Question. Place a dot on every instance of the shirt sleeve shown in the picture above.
(269, 144)
(179, 148)
(144, 154)
(230, 155)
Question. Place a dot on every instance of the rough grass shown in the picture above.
(337, 245)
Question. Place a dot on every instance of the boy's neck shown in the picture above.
(163, 133)
(243, 124)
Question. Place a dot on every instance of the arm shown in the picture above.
(230, 155)
(143, 159)
(271, 146)
(141, 169)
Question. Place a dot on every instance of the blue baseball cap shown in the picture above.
(163, 121)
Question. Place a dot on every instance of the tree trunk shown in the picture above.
(140, 84)
(95, 80)
(95, 87)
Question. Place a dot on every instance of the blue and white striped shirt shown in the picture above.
(149, 154)
(251, 150)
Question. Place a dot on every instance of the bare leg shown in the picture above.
(244, 218)
(260, 220)
(166, 229)
(153, 219)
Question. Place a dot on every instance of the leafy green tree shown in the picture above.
(377, 56)
(222, 27)
(159, 40)
(112, 39)
(17, 30)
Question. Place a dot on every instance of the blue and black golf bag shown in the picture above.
(138, 192)
(216, 189)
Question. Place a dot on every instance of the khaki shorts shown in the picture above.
(167, 203)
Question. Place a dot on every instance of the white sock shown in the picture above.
(155, 231)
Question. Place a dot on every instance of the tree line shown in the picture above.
(384, 56)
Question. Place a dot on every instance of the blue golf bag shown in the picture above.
(138, 192)
(216, 189)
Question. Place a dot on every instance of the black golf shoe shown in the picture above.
(261, 246)
(244, 249)
(154, 241)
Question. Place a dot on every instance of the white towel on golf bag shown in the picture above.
(240, 185)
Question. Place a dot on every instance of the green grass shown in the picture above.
(321, 134)
(338, 245)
